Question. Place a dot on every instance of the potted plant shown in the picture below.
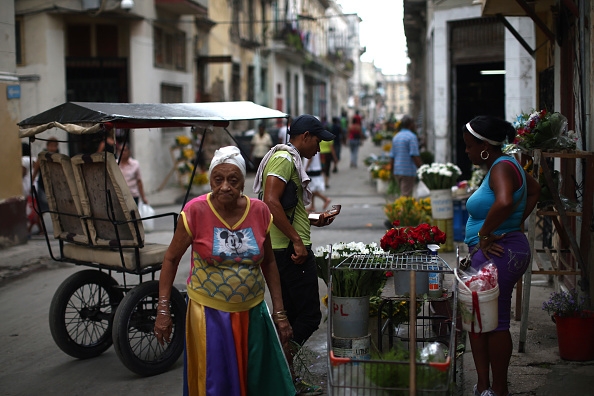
(394, 375)
(439, 179)
(575, 325)
(438, 176)
(411, 240)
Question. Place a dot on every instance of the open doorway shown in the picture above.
(480, 90)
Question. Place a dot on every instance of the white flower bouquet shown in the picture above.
(439, 176)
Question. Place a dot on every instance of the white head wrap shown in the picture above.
(228, 155)
(481, 137)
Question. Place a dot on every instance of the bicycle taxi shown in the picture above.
(97, 224)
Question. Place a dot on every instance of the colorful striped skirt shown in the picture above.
(233, 354)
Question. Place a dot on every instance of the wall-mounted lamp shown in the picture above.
(492, 72)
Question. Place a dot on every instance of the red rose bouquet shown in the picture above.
(410, 239)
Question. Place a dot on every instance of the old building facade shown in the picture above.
(297, 56)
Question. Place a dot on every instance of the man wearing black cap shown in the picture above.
(281, 176)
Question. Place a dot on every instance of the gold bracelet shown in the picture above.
(483, 237)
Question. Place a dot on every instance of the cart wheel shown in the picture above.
(133, 330)
(81, 313)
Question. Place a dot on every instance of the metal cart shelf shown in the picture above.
(349, 376)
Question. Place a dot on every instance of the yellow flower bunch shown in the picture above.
(387, 147)
(182, 140)
(383, 174)
(409, 211)
(187, 153)
(200, 178)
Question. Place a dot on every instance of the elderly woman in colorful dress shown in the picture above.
(232, 345)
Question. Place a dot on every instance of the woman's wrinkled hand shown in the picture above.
(285, 331)
(163, 328)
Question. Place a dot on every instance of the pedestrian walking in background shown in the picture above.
(108, 142)
(405, 156)
(283, 180)
(282, 132)
(317, 185)
(355, 139)
(131, 170)
(339, 134)
(327, 157)
(261, 143)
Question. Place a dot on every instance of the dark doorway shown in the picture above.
(94, 80)
(476, 94)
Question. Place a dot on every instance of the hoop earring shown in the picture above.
(484, 158)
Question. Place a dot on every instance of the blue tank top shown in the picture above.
(481, 200)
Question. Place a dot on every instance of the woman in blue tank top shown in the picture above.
(494, 231)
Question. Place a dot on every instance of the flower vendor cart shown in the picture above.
(403, 370)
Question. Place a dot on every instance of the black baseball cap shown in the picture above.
(308, 123)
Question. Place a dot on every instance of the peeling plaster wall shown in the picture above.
(520, 69)
(441, 89)
(520, 77)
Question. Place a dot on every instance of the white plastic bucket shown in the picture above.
(350, 316)
(442, 204)
(486, 309)
(355, 348)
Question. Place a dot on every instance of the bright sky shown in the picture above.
(381, 32)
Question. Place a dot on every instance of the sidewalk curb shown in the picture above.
(13, 272)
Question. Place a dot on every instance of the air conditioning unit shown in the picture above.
(90, 4)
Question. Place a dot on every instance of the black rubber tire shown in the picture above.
(133, 330)
(81, 313)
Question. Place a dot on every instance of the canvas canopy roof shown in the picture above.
(87, 117)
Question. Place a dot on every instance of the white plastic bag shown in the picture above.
(420, 191)
(146, 210)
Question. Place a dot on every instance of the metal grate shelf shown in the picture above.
(395, 262)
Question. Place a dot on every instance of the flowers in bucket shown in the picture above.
(438, 176)
(183, 154)
(566, 304)
(376, 164)
(411, 239)
(200, 178)
(349, 282)
(409, 211)
(541, 129)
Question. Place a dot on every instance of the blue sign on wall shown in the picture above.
(13, 92)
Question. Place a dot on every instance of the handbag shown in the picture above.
(289, 199)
